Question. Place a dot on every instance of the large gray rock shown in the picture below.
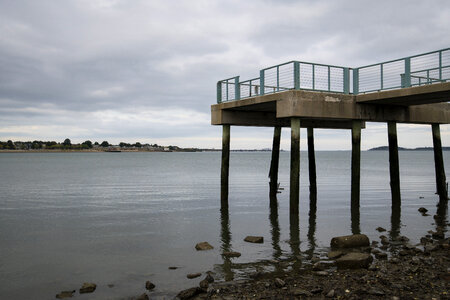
(203, 246)
(193, 275)
(254, 239)
(354, 261)
(350, 241)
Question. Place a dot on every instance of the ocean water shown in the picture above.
(123, 218)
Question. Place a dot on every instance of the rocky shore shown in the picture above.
(391, 268)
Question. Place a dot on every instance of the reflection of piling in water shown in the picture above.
(312, 224)
(273, 173)
(441, 214)
(225, 236)
(294, 234)
(275, 228)
(395, 220)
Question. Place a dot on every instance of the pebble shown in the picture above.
(380, 229)
(143, 297)
(203, 246)
(65, 294)
(330, 294)
(88, 288)
(279, 283)
(423, 210)
(321, 273)
(300, 292)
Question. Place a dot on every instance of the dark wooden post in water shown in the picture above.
(393, 163)
(225, 166)
(441, 184)
(356, 162)
(312, 166)
(295, 166)
(273, 173)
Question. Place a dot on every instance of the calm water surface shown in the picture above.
(124, 218)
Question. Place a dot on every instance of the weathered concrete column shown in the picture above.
(273, 173)
(312, 166)
(225, 166)
(394, 168)
(356, 163)
(295, 166)
(441, 184)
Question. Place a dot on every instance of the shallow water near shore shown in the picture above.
(124, 218)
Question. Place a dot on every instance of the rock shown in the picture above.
(350, 241)
(65, 294)
(315, 259)
(415, 260)
(321, 273)
(354, 261)
(209, 278)
(335, 254)
(173, 268)
(189, 293)
(254, 239)
(231, 254)
(203, 246)
(381, 255)
(300, 292)
(279, 283)
(394, 260)
(318, 267)
(423, 210)
(403, 252)
(87, 288)
(438, 235)
(193, 275)
(376, 292)
(372, 268)
(149, 286)
(317, 290)
(431, 247)
(144, 296)
(204, 284)
(384, 240)
(330, 294)
(380, 229)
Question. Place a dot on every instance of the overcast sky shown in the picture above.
(131, 70)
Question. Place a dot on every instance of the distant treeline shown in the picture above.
(86, 145)
(408, 149)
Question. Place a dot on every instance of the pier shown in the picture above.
(300, 94)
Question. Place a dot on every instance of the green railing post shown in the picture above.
(261, 82)
(440, 65)
(313, 77)
(237, 88)
(296, 75)
(381, 79)
(278, 78)
(356, 81)
(407, 80)
(219, 91)
(346, 81)
(329, 79)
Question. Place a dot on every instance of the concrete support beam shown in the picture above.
(355, 171)
(273, 173)
(312, 166)
(225, 166)
(295, 167)
(441, 184)
(394, 168)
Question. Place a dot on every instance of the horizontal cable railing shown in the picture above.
(428, 68)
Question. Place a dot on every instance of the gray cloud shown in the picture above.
(112, 69)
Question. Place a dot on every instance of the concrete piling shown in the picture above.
(273, 173)
(312, 166)
(394, 169)
(225, 166)
(441, 184)
(295, 166)
(356, 162)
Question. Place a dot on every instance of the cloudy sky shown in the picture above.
(135, 70)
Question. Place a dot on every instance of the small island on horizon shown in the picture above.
(386, 148)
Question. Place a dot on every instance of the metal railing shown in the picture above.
(427, 68)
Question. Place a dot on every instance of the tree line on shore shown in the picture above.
(68, 145)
